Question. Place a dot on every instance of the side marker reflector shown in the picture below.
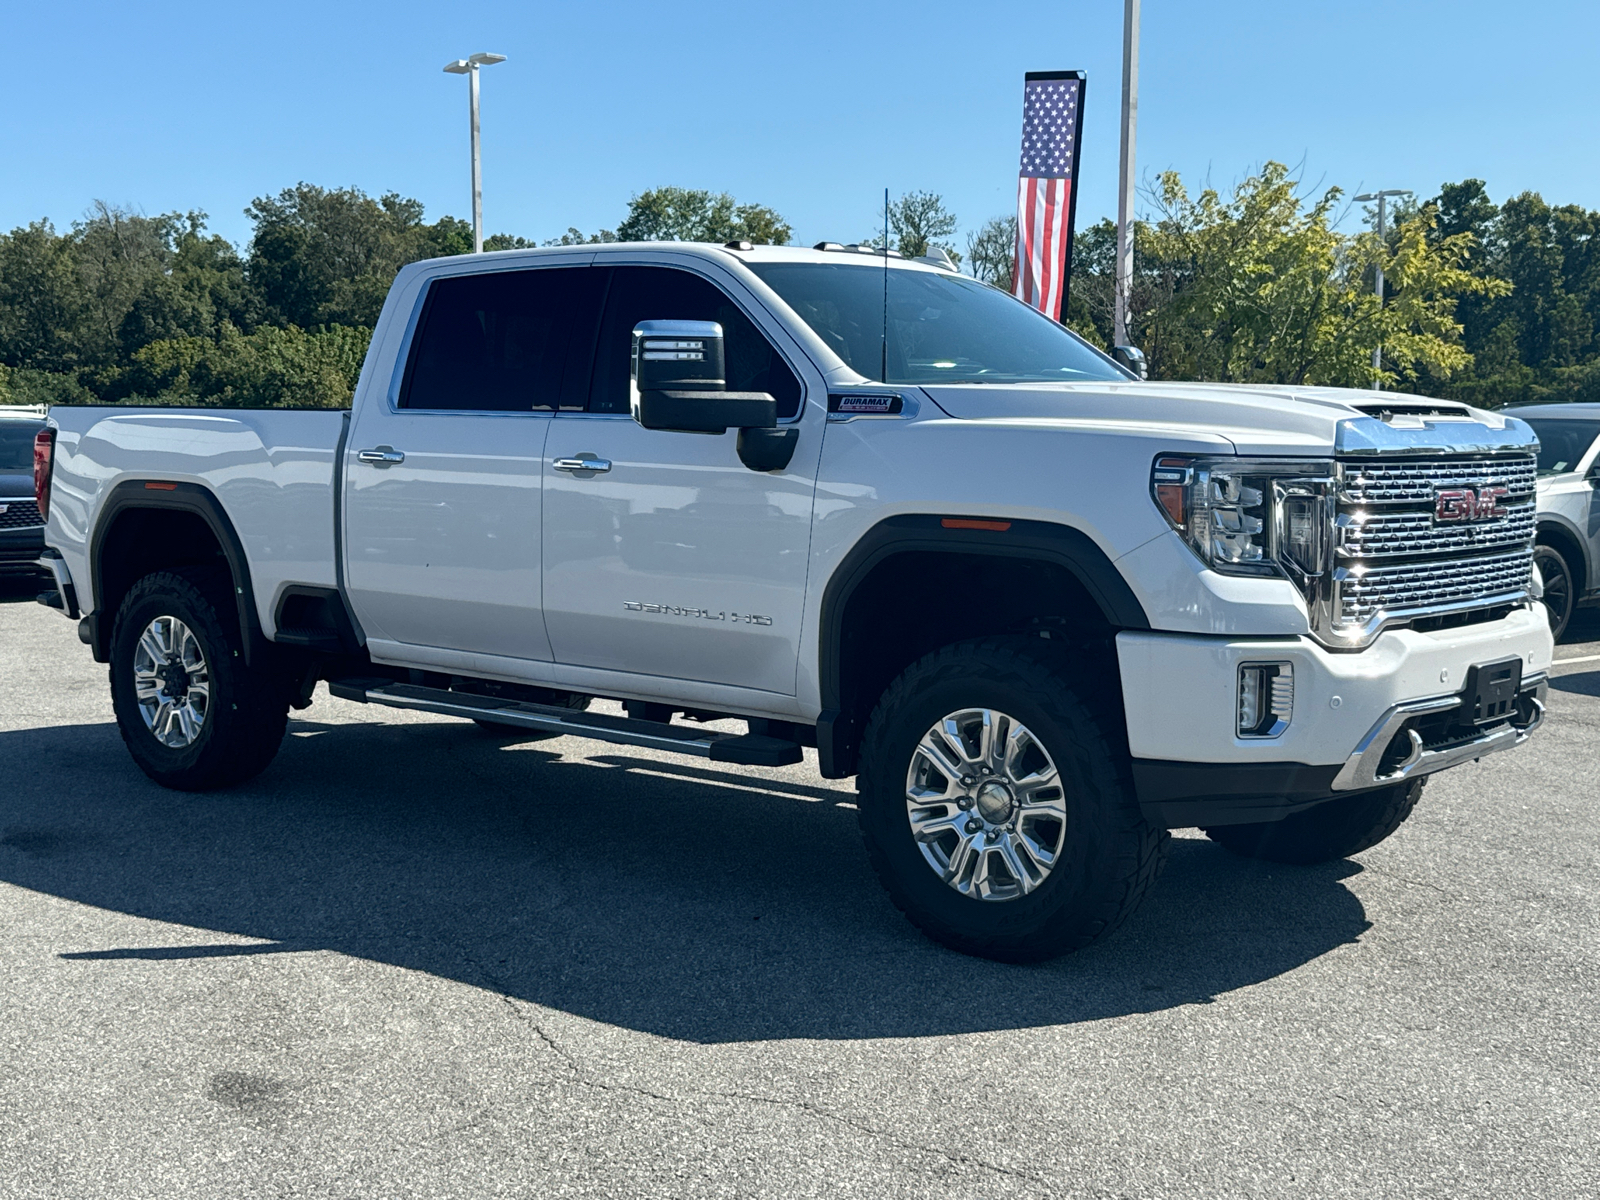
(160, 487)
(964, 523)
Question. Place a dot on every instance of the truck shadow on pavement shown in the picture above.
(674, 899)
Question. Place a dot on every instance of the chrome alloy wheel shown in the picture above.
(171, 682)
(985, 804)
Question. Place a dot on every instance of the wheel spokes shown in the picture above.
(985, 804)
(171, 681)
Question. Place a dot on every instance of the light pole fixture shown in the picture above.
(469, 67)
(1380, 197)
(1122, 275)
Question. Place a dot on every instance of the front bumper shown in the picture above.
(20, 548)
(1359, 720)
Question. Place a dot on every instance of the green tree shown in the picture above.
(992, 251)
(269, 368)
(1538, 339)
(42, 302)
(672, 214)
(919, 221)
(574, 237)
(327, 256)
(1259, 288)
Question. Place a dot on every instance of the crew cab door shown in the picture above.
(443, 477)
(668, 556)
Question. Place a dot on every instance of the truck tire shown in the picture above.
(1560, 594)
(192, 714)
(997, 803)
(1336, 829)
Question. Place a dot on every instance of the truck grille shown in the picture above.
(1391, 555)
(1415, 481)
(18, 514)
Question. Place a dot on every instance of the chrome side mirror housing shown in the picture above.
(677, 356)
(678, 382)
(1132, 358)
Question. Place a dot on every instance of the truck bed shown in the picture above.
(273, 471)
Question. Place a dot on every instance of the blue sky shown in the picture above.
(811, 108)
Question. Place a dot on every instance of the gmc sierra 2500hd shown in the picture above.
(1043, 611)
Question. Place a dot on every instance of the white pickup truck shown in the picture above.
(1043, 610)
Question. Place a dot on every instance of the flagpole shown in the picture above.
(1125, 172)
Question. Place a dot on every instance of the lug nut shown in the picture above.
(967, 781)
(964, 802)
(974, 825)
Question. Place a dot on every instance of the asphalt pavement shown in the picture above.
(413, 959)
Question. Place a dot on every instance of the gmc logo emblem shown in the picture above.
(1464, 504)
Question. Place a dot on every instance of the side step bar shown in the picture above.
(750, 749)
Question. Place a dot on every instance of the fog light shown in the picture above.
(1266, 699)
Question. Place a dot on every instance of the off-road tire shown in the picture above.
(1110, 855)
(249, 705)
(1334, 830)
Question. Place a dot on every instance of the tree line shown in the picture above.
(1484, 302)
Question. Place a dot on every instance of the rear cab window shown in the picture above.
(501, 341)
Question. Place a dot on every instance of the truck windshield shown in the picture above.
(940, 328)
(16, 443)
(1562, 442)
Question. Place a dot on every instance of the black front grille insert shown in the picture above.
(18, 514)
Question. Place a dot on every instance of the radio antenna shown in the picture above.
(883, 373)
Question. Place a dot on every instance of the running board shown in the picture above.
(749, 749)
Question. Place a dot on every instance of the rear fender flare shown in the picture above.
(136, 494)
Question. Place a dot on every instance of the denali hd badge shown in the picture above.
(703, 614)
(1464, 504)
(865, 404)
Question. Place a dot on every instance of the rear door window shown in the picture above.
(498, 342)
(667, 294)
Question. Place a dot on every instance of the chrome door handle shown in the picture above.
(382, 456)
(597, 465)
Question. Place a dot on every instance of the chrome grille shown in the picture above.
(1392, 558)
(18, 514)
(1412, 481)
(1395, 588)
(1387, 535)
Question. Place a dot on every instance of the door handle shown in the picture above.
(382, 456)
(597, 465)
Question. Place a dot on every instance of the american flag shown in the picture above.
(1051, 117)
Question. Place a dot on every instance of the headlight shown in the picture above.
(1250, 516)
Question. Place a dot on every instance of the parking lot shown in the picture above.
(413, 959)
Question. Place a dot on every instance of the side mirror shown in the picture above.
(1132, 358)
(678, 383)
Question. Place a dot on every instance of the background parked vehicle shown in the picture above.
(1567, 555)
(21, 527)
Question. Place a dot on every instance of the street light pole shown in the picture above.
(1125, 174)
(469, 67)
(1380, 197)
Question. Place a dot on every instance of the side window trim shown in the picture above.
(577, 376)
(413, 344)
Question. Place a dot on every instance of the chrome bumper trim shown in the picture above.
(1360, 771)
(52, 562)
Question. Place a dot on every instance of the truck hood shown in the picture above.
(1256, 419)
